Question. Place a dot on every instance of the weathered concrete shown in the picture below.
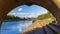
(52, 5)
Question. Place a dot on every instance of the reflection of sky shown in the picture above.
(28, 11)
(14, 27)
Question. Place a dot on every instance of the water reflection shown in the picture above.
(14, 27)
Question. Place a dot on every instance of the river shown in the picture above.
(14, 27)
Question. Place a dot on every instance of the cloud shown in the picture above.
(22, 26)
(20, 9)
(13, 13)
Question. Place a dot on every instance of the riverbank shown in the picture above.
(17, 20)
(38, 24)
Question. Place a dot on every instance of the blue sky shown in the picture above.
(28, 11)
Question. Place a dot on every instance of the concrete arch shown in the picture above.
(52, 5)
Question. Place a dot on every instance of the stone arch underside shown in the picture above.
(52, 5)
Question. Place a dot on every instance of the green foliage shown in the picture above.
(11, 18)
(43, 16)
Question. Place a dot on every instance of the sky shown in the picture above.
(28, 11)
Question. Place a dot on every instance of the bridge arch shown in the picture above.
(52, 5)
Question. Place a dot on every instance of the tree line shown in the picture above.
(11, 18)
(47, 15)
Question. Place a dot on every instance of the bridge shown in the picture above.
(52, 5)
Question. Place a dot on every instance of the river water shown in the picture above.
(14, 27)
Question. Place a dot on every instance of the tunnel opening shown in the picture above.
(17, 14)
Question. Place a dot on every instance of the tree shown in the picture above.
(43, 16)
(11, 17)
